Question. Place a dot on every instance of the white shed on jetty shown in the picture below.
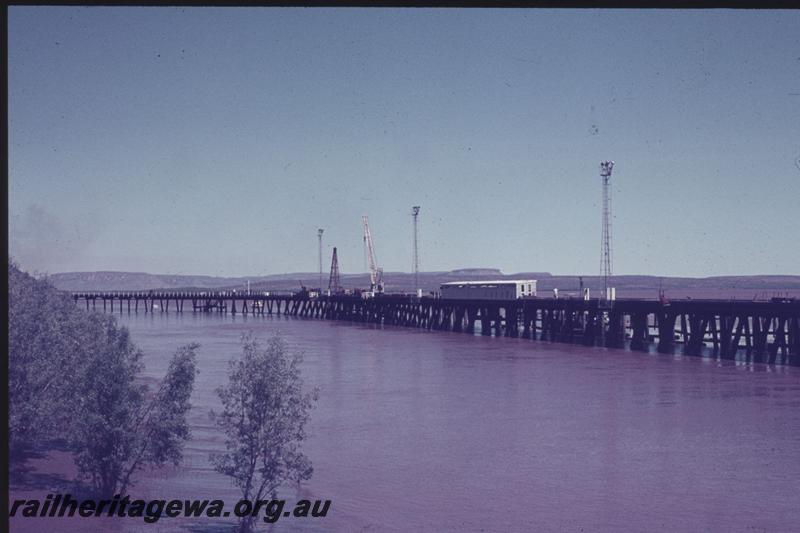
(506, 289)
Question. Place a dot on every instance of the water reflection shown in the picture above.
(431, 431)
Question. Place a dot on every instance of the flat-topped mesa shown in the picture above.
(475, 272)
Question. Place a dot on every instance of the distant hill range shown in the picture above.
(629, 286)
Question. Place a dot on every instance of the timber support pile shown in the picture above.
(763, 331)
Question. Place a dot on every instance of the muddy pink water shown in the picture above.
(428, 431)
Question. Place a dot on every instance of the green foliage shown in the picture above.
(106, 401)
(46, 333)
(76, 374)
(263, 417)
(119, 429)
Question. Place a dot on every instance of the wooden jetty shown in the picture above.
(761, 331)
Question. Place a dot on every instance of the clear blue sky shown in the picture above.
(217, 140)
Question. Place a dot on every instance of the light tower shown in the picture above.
(415, 259)
(319, 235)
(605, 258)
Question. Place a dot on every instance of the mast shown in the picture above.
(605, 255)
(415, 259)
(319, 234)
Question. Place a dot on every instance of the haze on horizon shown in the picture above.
(215, 141)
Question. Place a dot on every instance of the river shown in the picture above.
(432, 431)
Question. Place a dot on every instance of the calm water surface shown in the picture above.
(431, 431)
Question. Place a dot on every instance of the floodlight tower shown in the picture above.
(605, 263)
(415, 214)
(319, 235)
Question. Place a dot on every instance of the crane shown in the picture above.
(375, 273)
